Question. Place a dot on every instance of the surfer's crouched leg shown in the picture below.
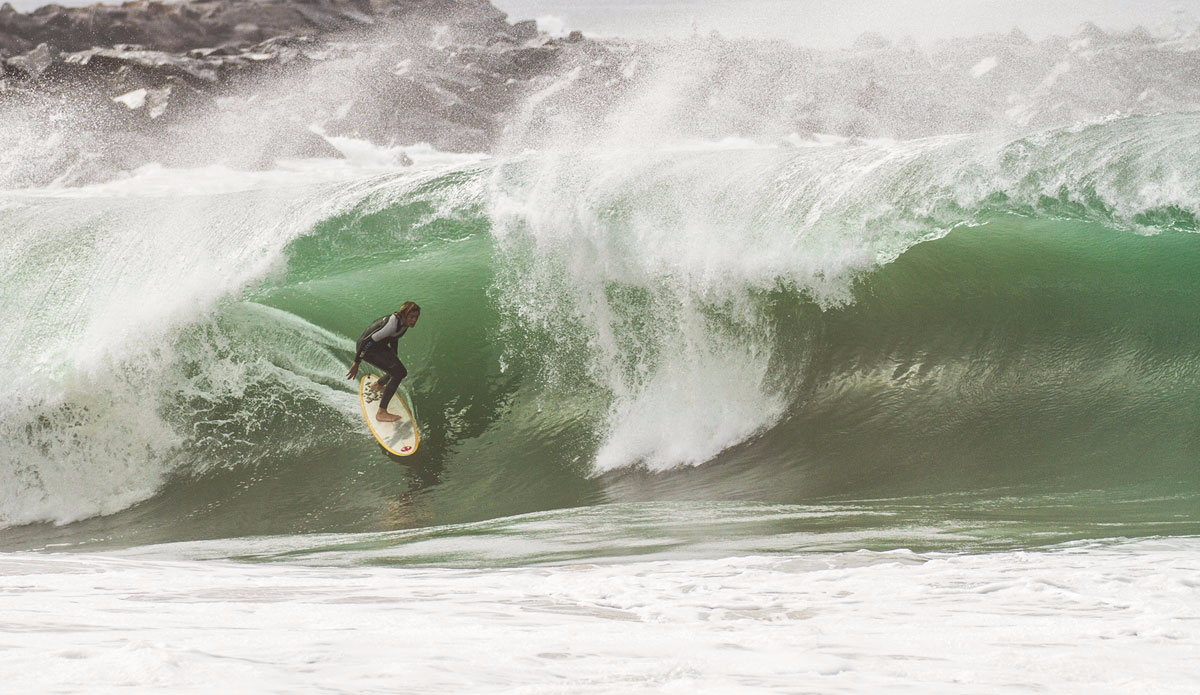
(393, 382)
(394, 373)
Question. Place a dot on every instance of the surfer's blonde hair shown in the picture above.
(408, 308)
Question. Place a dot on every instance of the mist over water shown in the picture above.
(820, 24)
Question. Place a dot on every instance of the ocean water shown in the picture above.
(699, 414)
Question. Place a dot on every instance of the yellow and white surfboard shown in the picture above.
(400, 437)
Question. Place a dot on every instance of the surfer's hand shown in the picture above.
(353, 371)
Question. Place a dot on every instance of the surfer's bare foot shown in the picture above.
(377, 387)
(385, 416)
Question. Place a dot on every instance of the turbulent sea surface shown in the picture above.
(831, 415)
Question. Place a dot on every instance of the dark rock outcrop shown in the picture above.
(180, 26)
(244, 82)
(89, 93)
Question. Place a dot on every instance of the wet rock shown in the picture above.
(292, 142)
(244, 82)
(32, 65)
(136, 58)
(523, 31)
(180, 26)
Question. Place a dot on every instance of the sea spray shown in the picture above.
(628, 263)
(113, 304)
(727, 336)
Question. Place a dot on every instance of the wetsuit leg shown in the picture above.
(391, 365)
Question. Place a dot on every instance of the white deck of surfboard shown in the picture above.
(401, 437)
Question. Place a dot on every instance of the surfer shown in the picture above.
(378, 346)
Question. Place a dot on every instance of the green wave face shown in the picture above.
(969, 325)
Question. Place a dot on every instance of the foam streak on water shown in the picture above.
(1093, 618)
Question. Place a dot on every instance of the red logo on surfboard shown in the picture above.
(407, 448)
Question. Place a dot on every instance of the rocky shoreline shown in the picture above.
(143, 81)
(87, 94)
(177, 27)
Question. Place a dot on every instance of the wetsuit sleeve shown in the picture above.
(389, 329)
(388, 335)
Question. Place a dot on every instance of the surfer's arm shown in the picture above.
(358, 358)
(388, 336)
(367, 344)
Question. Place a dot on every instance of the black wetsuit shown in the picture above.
(377, 345)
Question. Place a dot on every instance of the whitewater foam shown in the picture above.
(637, 250)
(124, 335)
(1085, 618)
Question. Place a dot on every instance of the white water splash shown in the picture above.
(1102, 618)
